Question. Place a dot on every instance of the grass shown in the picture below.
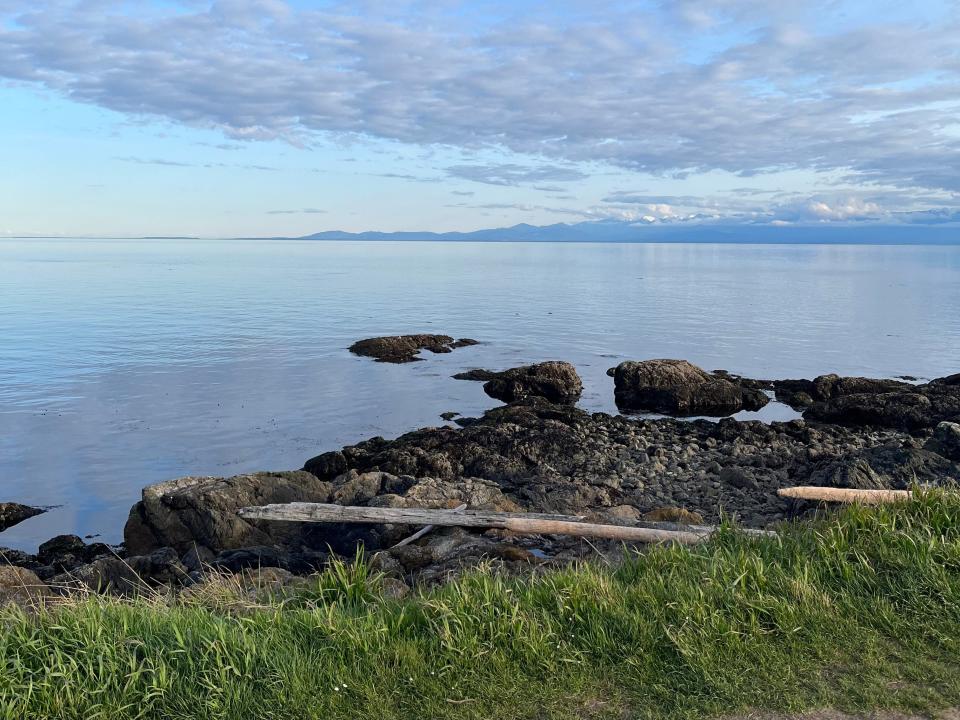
(859, 610)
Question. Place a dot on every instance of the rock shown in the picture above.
(448, 416)
(405, 348)
(623, 513)
(394, 588)
(9, 556)
(800, 394)
(677, 515)
(14, 513)
(130, 576)
(300, 562)
(738, 477)
(677, 387)
(555, 381)
(901, 405)
(63, 552)
(198, 557)
(894, 467)
(21, 587)
(542, 457)
(946, 441)
(476, 374)
(202, 511)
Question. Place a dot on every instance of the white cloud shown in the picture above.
(773, 85)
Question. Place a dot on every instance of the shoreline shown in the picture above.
(539, 453)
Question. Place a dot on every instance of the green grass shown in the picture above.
(858, 610)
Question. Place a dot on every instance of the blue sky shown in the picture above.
(273, 117)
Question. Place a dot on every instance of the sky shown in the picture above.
(288, 117)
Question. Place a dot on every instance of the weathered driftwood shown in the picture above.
(522, 523)
(844, 495)
(424, 530)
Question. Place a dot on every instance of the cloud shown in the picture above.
(668, 89)
(179, 164)
(513, 174)
(820, 209)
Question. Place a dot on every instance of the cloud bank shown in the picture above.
(868, 94)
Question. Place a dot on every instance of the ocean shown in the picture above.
(127, 362)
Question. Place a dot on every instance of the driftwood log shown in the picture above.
(521, 523)
(844, 495)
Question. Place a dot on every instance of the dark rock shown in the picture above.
(894, 467)
(551, 458)
(63, 552)
(738, 477)
(203, 511)
(13, 513)
(9, 556)
(677, 387)
(800, 394)
(300, 563)
(910, 408)
(946, 441)
(405, 348)
(448, 416)
(555, 381)
(129, 576)
(197, 558)
(476, 374)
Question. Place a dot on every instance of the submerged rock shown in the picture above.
(553, 380)
(14, 513)
(405, 348)
(677, 387)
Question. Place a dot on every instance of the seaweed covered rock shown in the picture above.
(13, 513)
(911, 408)
(554, 381)
(800, 394)
(677, 387)
(405, 348)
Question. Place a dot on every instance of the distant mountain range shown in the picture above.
(625, 232)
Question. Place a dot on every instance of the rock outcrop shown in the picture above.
(677, 387)
(405, 348)
(801, 394)
(552, 458)
(911, 408)
(203, 511)
(14, 513)
(553, 380)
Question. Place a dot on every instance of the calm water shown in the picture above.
(123, 363)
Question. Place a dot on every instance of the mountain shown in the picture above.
(625, 232)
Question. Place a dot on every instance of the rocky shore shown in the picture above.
(538, 453)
